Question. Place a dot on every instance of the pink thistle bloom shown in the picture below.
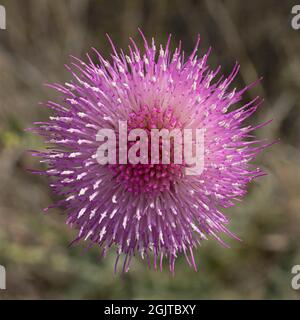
(155, 210)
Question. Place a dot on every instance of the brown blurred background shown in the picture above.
(40, 36)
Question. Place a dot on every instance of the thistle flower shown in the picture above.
(152, 209)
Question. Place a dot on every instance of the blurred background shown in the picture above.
(40, 36)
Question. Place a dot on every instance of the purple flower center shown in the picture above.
(150, 178)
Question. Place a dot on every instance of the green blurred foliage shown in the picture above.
(34, 248)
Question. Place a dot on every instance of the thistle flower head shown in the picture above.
(156, 210)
